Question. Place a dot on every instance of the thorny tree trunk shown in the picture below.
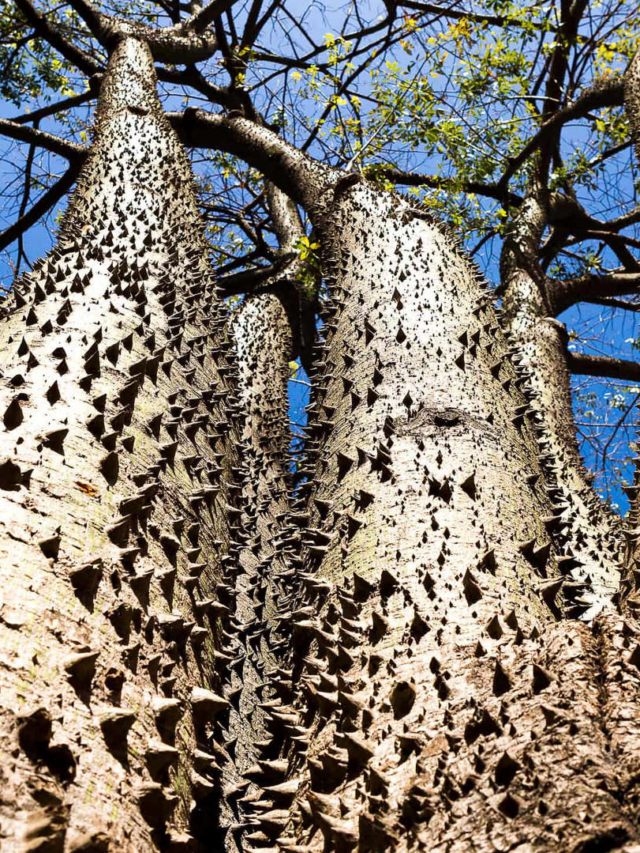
(584, 525)
(263, 343)
(264, 340)
(116, 414)
(440, 704)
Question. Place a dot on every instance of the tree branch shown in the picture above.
(174, 44)
(604, 93)
(414, 179)
(625, 220)
(461, 15)
(46, 201)
(611, 302)
(53, 109)
(586, 288)
(247, 281)
(596, 365)
(73, 152)
(48, 31)
(207, 15)
(299, 176)
(191, 77)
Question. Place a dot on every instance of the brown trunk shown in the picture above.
(117, 416)
(264, 344)
(439, 703)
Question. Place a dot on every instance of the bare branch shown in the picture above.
(46, 201)
(604, 93)
(597, 365)
(462, 15)
(71, 150)
(414, 179)
(247, 281)
(611, 302)
(296, 174)
(191, 77)
(53, 109)
(199, 21)
(48, 31)
(175, 44)
(564, 294)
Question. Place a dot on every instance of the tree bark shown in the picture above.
(445, 699)
(586, 528)
(263, 341)
(424, 635)
(119, 462)
(632, 100)
(264, 332)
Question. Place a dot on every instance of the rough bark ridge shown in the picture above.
(585, 526)
(425, 639)
(264, 344)
(632, 100)
(116, 414)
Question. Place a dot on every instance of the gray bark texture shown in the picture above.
(590, 531)
(263, 335)
(117, 440)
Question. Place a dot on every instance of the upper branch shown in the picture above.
(607, 92)
(285, 218)
(71, 150)
(181, 43)
(203, 17)
(597, 365)
(48, 31)
(299, 176)
(564, 294)
(53, 109)
(415, 179)
(461, 14)
(248, 281)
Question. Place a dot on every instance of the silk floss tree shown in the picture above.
(380, 650)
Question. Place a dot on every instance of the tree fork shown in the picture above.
(118, 422)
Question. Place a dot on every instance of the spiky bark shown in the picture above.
(264, 331)
(117, 454)
(444, 698)
(432, 709)
(586, 527)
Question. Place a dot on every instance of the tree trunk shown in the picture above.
(632, 100)
(586, 527)
(264, 332)
(263, 343)
(440, 703)
(118, 426)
